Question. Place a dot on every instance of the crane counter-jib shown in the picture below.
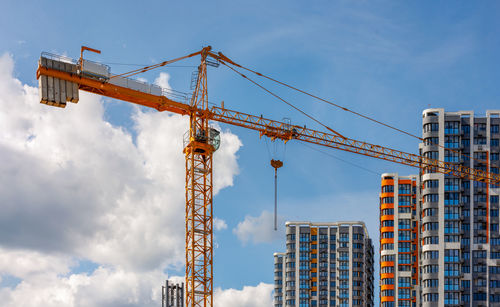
(53, 74)
(59, 79)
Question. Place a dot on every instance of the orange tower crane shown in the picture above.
(60, 79)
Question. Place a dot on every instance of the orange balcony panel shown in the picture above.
(387, 299)
(387, 263)
(386, 287)
(387, 194)
(314, 251)
(387, 217)
(405, 181)
(314, 270)
(314, 231)
(388, 240)
(386, 206)
(386, 275)
(387, 182)
(314, 289)
(314, 260)
(387, 229)
(315, 279)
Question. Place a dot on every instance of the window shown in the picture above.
(431, 240)
(387, 200)
(387, 235)
(479, 127)
(404, 200)
(453, 141)
(388, 223)
(431, 141)
(431, 297)
(404, 258)
(430, 212)
(387, 189)
(479, 140)
(404, 235)
(431, 255)
(389, 211)
(431, 127)
(452, 198)
(451, 184)
(404, 209)
(452, 284)
(431, 198)
(431, 183)
(404, 189)
(432, 155)
(451, 255)
(404, 247)
(494, 142)
(431, 283)
(387, 246)
(451, 127)
(465, 129)
(431, 226)
(451, 269)
(494, 128)
(304, 237)
(404, 224)
(451, 156)
(403, 293)
(432, 268)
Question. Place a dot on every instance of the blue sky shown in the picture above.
(388, 60)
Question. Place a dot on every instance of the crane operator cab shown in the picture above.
(212, 140)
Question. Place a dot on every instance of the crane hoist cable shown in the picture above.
(277, 161)
(276, 164)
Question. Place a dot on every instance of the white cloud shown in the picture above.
(219, 224)
(259, 229)
(258, 296)
(163, 80)
(75, 187)
(104, 287)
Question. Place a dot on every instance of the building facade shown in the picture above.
(325, 264)
(460, 246)
(399, 240)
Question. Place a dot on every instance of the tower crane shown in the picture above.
(60, 79)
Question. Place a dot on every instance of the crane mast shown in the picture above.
(199, 196)
(58, 80)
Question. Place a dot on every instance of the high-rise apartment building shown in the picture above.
(399, 240)
(460, 247)
(325, 264)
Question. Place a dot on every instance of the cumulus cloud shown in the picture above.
(163, 80)
(259, 229)
(104, 287)
(259, 296)
(73, 187)
(219, 224)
